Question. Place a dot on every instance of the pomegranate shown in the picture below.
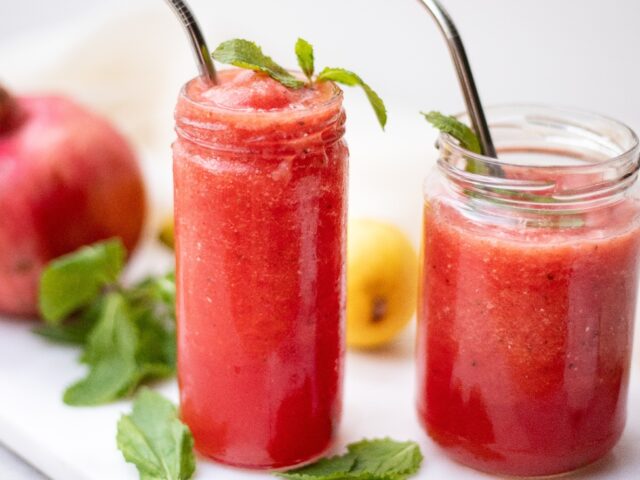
(67, 179)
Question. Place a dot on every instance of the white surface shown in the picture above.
(69, 443)
(13, 467)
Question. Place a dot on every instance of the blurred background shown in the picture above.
(128, 60)
(580, 52)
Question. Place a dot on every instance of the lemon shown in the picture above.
(166, 232)
(382, 277)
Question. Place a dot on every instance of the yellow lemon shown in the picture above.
(382, 277)
(166, 232)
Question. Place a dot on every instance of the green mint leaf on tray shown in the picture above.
(111, 355)
(133, 340)
(156, 292)
(154, 308)
(345, 77)
(304, 52)
(454, 127)
(330, 468)
(127, 334)
(154, 439)
(246, 54)
(386, 457)
(75, 280)
(74, 331)
(380, 459)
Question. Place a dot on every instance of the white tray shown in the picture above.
(68, 443)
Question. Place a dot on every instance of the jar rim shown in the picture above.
(336, 97)
(319, 121)
(568, 160)
(627, 153)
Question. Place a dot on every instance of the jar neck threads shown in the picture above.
(552, 162)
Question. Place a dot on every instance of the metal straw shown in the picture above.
(201, 51)
(463, 69)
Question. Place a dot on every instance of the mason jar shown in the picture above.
(260, 177)
(528, 292)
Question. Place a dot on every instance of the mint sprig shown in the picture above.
(127, 334)
(110, 353)
(75, 330)
(245, 54)
(454, 127)
(466, 137)
(345, 77)
(153, 438)
(379, 459)
(74, 281)
(306, 60)
(468, 140)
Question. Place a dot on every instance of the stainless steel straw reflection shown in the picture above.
(463, 69)
(201, 51)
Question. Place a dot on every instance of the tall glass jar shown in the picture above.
(528, 294)
(260, 176)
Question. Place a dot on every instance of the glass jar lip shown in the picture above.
(497, 163)
(336, 97)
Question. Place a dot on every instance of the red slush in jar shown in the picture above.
(528, 292)
(260, 176)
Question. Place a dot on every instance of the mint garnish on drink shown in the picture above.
(345, 77)
(468, 140)
(246, 54)
(454, 127)
(306, 59)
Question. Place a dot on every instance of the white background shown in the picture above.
(576, 52)
(582, 53)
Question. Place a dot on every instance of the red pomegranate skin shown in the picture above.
(67, 179)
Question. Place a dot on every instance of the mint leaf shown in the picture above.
(73, 281)
(156, 292)
(111, 356)
(380, 459)
(153, 302)
(156, 355)
(133, 340)
(454, 127)
(128, 335)
(246, 54)
(331, 468)
(304, 52)
(75, 331)
(466, 138)
(155, 441)
(386, 457)
(345, 77)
